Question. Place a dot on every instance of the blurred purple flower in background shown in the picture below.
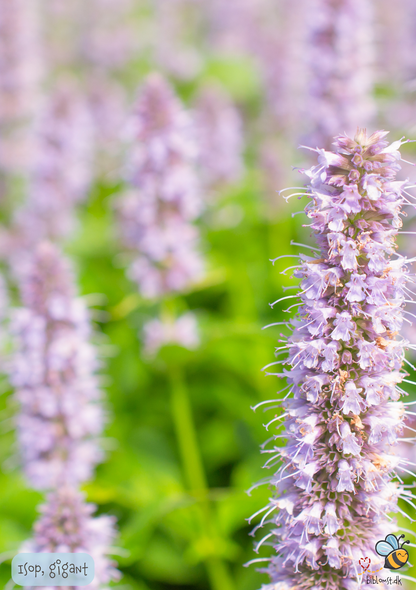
(219, 130)
(175, 47)
(340, 54)
(66, 525)
(182, 331)
(396, 69)
(54, 374)
(96, 42)
(21, 71)
(236, 28)
(396, 41)
(157, 213)
(336, 484)
(61, 168)
(106, 40)
(282, 61)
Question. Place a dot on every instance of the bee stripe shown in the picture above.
(396, 560)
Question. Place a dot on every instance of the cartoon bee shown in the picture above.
(396, 556)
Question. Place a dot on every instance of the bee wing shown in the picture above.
(392, 540)
(383, 548)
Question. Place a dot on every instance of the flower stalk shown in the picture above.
(339, 477)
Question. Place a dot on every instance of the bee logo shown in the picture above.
(390, 548)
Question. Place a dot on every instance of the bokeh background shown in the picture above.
(296, 72)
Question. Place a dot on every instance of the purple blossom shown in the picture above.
(339, 56)
(182, 331)
(339, 473)
(220, 138)
(157, 213)
(53, 372)
(67, 525)
(61, 167)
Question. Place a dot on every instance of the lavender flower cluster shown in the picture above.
(220, 138)
(60, 170)
(156, 215)
(340, 56)
(20, 76)
(53, 372)
(338, 476)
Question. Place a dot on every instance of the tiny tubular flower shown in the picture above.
(343, 417)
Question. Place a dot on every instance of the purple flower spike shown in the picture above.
(339, 474)
(53, 372)
(156, 216)
(20, 78)
(67, 525)
(61, 168)
(340, 56)
(220, 138)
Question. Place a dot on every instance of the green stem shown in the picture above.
(194, 471)
(186, 435)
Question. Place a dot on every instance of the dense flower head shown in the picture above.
(67, 525)
(337, 481)
(53, 372)
(220, 138)
(182, 331)
(61, 166)
(157, 213)
(339, 54)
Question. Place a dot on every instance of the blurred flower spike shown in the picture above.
(67, 525)
(53, 372)
(340, 63)
(61, 169)
(220, 138)
(339, 476)
(156, 215)
(21, 74)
